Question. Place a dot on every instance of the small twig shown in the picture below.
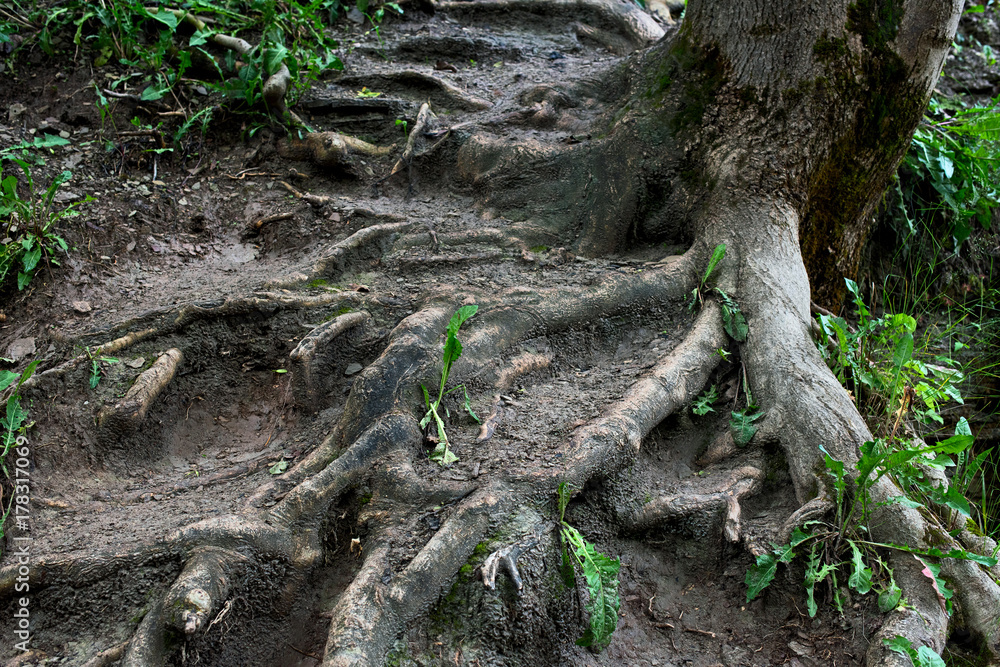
(308, 655)
(256, 226)
(700, 632)
(314, 200)
(249, 172)
(663, 625)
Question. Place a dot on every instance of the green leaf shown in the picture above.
(22, 280)
(7, 378)
(459, 318)
(901, 645)
(888, 599)
(861, 576)
(31, 258)
(273, 57)
(564, 493)
(904, 501)
(956, 444)
(733, 322)
(815, 573)
(760, 575)
(926, 657)
(601, 575)
(154, 91)
(164, 16)
(741, 426)
(836, 469)
(278, 468)
(15, 415)
(717, 255)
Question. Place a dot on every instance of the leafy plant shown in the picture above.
(697, 297)
(876, 363)
(956, 150)
(95, 366)
(452, 351)
(703, 404)
(13, 424)
(600, 573)
(922, 657)
(27, 225)
(844, 543)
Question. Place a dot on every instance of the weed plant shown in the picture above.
(28, 225)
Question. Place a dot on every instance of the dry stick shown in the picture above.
(315, 200)
(255, 227)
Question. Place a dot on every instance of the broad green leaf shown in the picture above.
(49, 141)
(742, 428)
(901, 645)
(154, 91)
(15, 415)
(926, 657)
(601, 575)
(22, 280)
(165, 17)
(760, 575)
(962, 427)
(861, 576)
(904, 501)
(7, 378)
(902, 353)
(888, 599)
(798, 537)
(459, 318)
(30, 259)
(953, 445)
(717, 255)
(273, 57)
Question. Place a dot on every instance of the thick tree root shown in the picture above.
(637, 26)
(710, 496)
(129, 413)
(310, 357)
(329, 149)
(374, 239)
(443, 94)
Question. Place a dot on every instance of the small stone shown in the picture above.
(21, 348)
(64, 134)
(353, 369)
(81, 306)
(136, 363)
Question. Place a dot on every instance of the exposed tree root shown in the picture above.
(128, 414)
(443, 94)
(329, 149)
(310, 359)
(637, 26)
(717, 495)
(374, 239)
